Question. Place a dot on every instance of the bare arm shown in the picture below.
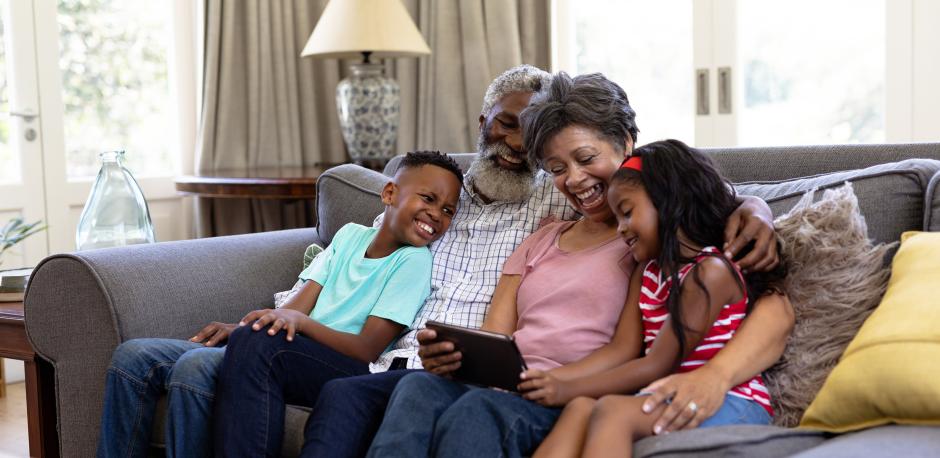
(502, 316)
(294, 317)
(216, 333)
(756, 346)
(366, 346)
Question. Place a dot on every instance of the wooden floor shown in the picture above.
(14, 440)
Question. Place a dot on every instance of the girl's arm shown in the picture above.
(626, 344)
(699, 311)
(441, 359)
(756, 345)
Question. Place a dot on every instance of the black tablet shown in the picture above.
(487, 358)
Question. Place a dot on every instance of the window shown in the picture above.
(814, 72)
(646, 48)
(115, 88)
(803, 71)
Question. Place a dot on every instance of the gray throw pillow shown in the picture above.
(836, 278)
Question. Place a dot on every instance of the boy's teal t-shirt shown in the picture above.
(354, 287)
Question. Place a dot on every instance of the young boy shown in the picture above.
(368, 285)
(359, 295)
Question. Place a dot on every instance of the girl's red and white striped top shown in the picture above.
(653, 294)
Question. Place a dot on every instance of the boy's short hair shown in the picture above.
(416, 159)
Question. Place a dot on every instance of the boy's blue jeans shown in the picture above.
(141, 371)
(261, 373)
(433, 416)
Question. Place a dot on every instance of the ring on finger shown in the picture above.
(693, 407)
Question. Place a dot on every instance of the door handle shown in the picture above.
(27, 116)
(701, 92)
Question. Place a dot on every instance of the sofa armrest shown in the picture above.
(80, 306)
(347, 193)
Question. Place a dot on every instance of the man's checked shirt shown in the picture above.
(469, 258)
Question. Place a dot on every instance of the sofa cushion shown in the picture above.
(890, 196)
(723, 441)
(836, 278)
(888, 440)
(889, 373)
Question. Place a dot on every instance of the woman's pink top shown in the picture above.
(568, 303)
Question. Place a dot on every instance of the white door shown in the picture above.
(21, 135)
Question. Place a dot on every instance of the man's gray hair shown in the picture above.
(522, 78)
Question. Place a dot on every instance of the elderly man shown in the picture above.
(504, 200)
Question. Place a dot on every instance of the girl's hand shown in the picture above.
(695, 396)
(437, 357)
(288, 319)
(544, 388)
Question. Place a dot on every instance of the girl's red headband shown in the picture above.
(633, 162)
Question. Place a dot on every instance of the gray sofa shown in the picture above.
(80, 306)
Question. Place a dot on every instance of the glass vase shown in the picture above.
(116, 213)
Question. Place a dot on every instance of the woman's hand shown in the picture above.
(281, 318)
(544, 388)
(752, 221)
(695, 396)
(437, 357)
(213, 334)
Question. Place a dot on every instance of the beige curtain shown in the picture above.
(265, 106)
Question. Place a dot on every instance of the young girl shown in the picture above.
(671, 206)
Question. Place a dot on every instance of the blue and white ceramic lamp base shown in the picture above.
(368, 105)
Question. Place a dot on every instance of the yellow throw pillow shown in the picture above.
(890, 373)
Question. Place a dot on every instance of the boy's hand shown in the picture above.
(288, 319)
(544, 388)
(213, 334)
(437, 357)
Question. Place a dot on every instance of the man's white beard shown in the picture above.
(495, 182)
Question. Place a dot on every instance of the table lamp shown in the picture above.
(367, 101)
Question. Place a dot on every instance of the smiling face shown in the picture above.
(501, 134)
(420, 204)
(501, 171)
(637, 218)
(581, 164)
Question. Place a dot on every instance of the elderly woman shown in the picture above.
(561, 296)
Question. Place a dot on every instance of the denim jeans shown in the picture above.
(738, 411)
(141, 371)
(260, 375)
(348, 414)
(433, 416)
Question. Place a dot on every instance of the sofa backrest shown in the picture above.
(898, 185)
(784, 162)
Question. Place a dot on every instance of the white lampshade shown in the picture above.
(349, 27)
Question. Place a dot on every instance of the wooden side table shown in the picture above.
(40, 381)
(288, 183)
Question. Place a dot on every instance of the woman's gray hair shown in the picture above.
(589, 100)
(522, 78)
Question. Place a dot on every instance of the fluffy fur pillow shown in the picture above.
(836, 278)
